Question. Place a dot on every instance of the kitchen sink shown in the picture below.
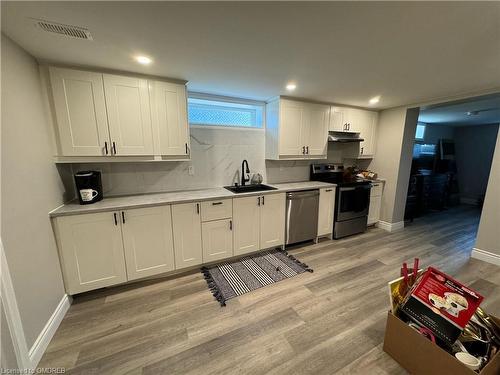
(249, 188)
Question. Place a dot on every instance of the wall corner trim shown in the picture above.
(391, 227)
(486, 256)
(42, 342)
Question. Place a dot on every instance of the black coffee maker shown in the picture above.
(88, 186)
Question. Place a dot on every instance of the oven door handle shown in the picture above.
(347, 188)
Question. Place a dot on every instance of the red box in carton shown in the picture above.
(441, 304)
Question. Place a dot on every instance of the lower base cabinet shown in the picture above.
(375, 203)
(148, 241)
(186, 224)
(326, 211)
(217, 240)
(91, 251)
(259, 222)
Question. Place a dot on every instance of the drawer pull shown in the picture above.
(216, 203)
(328, 190)
(230, 225)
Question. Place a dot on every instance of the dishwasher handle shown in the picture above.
(302, 194)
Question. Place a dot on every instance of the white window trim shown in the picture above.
(228, 99)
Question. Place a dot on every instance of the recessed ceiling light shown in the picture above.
(144, 60)
(291, 86)
(374, 100)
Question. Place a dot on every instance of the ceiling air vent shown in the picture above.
(62, 29)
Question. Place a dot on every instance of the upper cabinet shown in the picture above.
(361, 121)
(169, 113)
(118, 116)
(296, 130)
(80, 110)
(129, 115)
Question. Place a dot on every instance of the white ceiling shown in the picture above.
(335, 51)
(455, 113)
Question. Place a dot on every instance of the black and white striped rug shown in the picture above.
(229, 280)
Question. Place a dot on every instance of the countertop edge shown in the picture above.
(91, 208)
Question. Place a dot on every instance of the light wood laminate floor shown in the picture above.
(326, 322)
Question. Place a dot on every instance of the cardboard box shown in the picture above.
(418, 355)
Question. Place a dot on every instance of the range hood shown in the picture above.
(344, 137)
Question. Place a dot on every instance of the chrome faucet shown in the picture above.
(243, 178)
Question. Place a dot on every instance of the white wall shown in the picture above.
(30, 188)
(395, 137)
(489, 225)
(474, 147)
(216, 158)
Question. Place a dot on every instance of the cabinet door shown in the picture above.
(316, 128)
(91, 251)
(80, 112)
(272, 220)
(147, 241)
(374, 210)
(246, 224)
(169, 115)
(368, 133)
(336, 119)
(217, 240)
(187, 234)
(326, 211)
(129, 118)
(291, 140)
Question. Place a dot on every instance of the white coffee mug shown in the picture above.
(88, 194)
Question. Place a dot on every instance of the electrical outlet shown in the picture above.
(191, 170)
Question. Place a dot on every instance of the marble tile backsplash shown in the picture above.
(216, 161)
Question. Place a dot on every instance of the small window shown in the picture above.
(224, 112)
(419, 134)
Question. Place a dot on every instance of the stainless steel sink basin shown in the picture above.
(249, 188)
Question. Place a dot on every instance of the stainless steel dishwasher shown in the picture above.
(301, 216)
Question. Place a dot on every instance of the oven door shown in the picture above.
(353, 202)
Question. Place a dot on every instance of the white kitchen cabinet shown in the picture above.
(186, 223)
(316, 124)
(326, 211)
(80, 111)
(170, 121)
(129, 115)
(272, 220)
(147, 241)
(375, 202)
(246, 224)
(91, 251)
(217, 240)
(259, 222)
(356, 120)
(296, 130)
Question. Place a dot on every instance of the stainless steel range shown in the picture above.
(352, 199)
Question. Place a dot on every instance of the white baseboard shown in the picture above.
(391, 227)
(43, 339)
(486, 256)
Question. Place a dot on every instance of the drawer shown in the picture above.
(377, 188)
(216, 209)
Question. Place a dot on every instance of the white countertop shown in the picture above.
(154, 199)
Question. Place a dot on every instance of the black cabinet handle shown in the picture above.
(216, 203)
(362, 150)
(328, 190)
(106, 147)
(263, 200)
(303, 150)
(186, 148)
(230, 225)
(258, 201)
(114, 215)
(307, 150)
(114, 148)
(198, 208)
(123, 217)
